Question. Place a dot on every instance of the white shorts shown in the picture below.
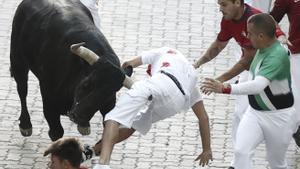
(134, 110)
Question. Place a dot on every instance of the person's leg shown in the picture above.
(240, 107)
(295, 73)
(278, 128)
(109, 139)
(241, 104)
(235, 124)
(125, 111)
(124, 133)
(249, 135)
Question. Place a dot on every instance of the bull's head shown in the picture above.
(92, 58)
(98, 88)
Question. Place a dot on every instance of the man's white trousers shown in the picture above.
(273, 127)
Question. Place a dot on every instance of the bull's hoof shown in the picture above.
(72, 117)
(26, 132)
(55, 135)
(54, 138)
(84, 130)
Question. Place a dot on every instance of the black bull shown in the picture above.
(42, 33)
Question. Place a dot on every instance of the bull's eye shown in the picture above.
(76, 103)
(85, 85)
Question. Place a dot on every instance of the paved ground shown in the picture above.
(132, 26)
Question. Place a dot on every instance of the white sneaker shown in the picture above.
(99, 166)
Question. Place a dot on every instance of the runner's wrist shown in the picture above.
(226, 88)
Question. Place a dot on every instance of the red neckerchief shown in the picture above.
(165, 64)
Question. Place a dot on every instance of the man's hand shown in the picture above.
(126, 64)
(211, 85)
(133, 62)
(196, 64)
(204, 158)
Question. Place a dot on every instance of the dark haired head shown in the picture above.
(66, 149)
(263, 23)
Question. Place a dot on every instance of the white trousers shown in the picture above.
(240, 107)
(134, 110)
(295, 73)
(262, 5)
(241, 101)
(273, 127)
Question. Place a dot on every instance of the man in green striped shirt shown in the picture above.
(271, 116)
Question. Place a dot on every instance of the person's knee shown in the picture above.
(242, 158)
(242, 153)
(111, 124)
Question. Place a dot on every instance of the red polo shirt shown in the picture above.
(237, 29)
(292, 9)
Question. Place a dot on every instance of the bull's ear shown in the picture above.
(128, 70)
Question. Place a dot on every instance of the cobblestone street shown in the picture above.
(132, 26)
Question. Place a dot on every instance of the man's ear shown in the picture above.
(261, 35)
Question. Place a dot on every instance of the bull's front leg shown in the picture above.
(52, 114)
(83, 126)
(25, 125)
(19, 71)
(56, 130)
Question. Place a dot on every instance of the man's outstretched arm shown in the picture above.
(215, 48)
(134, 62)
(243, 64)
(202, 116)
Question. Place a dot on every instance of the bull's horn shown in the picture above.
(84, 53)
(128, 82)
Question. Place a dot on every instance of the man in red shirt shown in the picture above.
(234, 25)
(292, 9)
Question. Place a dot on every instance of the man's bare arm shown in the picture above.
(134, 62)
(215, 48)
(206, 155)
(243, 64)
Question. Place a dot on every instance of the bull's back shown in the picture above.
(40, 42)
(41, 28)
